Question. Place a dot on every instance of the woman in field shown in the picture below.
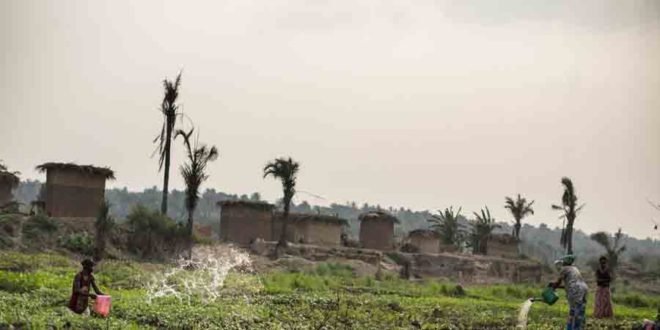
(81, 286)
(603, 304)
(576, 292)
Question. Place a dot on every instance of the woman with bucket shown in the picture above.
(603, 303)
(82, 283)
(576, 292)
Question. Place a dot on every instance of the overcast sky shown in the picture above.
(421, 104)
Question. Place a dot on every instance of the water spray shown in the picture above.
(202, 276)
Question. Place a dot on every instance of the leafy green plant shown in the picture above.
(82, 243)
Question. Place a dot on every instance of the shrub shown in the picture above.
(39, 224)
(82, 243)
(152, 234)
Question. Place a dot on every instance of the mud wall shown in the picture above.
(241, 225)
(425, 244)
(5, 192)
(377, 234)
(73, 194)
(472, 269)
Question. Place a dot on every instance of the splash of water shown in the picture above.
(522, 315)
(202, 276)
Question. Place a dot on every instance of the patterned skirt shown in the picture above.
(603, 306)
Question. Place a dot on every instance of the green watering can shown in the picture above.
(548, 296)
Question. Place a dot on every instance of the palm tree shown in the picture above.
(447, 224)
(194, 174)
(482, 228)
(569, 208)
(104, 224)
(169, 109)
(519, 208)
(285, 170)
(613, 249)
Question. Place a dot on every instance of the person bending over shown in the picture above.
(576, 292)
(82, 283)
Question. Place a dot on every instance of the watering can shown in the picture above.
(102, 305)
(548, 296)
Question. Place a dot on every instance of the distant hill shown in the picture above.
(541, 242)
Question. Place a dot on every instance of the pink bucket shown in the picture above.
(102, 305)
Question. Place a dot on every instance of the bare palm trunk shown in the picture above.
(166, 176)
(285, 221)
(189, 228)
(517, 227)
(569, 237)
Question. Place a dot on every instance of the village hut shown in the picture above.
(503, 245)
(8, 181)
(242, 222)
(377, 230)
(74, 191)
(426, 240)
(315, 229)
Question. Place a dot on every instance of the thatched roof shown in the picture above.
(260, 206)
(87, 169)
(299, 217)
(426, 233)
(377, 215)
(9, 177)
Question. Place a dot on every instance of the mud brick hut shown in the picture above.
(74, 191)
(426, 240)
(241, 222)
(503, 245)
(313, 229)
(8, 181)
(377, 230)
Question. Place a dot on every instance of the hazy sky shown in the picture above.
(422, 104)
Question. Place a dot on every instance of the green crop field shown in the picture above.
(34, 291)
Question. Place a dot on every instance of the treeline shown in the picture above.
(538, 242)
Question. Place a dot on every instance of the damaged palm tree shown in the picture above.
(519, 208)
(169, 109)
(570, 209)
(194, 174)
(613, 249)
(285, 170)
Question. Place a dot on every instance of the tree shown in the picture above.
(194, 174)
(169, 109)
(570, 209)
(482, 228)
(447, 224)
(103, 225)
(285, 170)
(612, 249)
(519, 208)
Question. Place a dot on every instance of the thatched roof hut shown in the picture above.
(8, 181)
(242, 221)
(425, 240)
(377, 230)
(9, 178)
(74, 191)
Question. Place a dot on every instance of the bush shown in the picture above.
(38, 225)
(152, 234)
(81, 243)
